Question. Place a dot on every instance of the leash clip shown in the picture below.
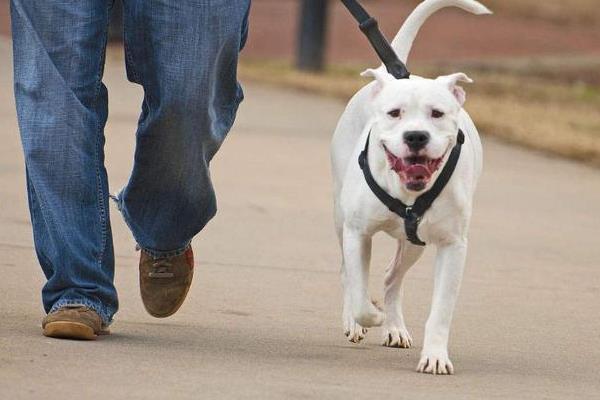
(411, 216)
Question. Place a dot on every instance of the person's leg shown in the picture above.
(185, 55)
(62, 108)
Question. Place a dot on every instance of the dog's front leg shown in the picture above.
(395, 333)
(357, 257)
(449, 266)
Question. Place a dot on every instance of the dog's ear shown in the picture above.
(450, 81)
(380, 75)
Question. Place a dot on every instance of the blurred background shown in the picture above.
(536, 63)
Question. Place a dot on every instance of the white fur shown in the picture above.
(359, 214)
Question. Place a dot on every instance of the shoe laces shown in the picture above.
(161, 269)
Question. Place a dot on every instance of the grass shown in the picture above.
(560, 117)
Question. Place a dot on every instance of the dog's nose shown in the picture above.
(416, 140)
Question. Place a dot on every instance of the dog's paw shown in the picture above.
(397, 337)
(355, 333)
(436, 363)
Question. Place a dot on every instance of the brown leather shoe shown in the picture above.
(164, 282)
(73, 322)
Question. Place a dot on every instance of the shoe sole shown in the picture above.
(69, 330)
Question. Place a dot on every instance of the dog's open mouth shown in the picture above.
(414, 171)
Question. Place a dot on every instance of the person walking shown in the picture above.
(184, 54)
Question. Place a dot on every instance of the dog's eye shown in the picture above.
(437, 113)
(395, 113)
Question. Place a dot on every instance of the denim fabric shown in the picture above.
(184, 53)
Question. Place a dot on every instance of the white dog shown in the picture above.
(411, 125)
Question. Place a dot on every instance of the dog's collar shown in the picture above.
(412, 214)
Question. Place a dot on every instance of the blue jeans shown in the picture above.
(184, 53)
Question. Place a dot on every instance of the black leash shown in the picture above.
(369, 26)
(413, 214)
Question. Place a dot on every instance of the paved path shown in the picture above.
(263, 318)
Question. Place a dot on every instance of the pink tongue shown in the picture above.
(414, 171)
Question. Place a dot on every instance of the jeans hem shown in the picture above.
(165, 254)
(105, 315)
(117, 198)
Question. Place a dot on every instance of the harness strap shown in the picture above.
(369, 26)
(413, 214)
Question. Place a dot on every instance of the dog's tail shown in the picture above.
(403, 41)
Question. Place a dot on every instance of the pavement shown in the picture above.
(263, 320)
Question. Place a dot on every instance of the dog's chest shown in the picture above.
(394, 227)
(435, 226)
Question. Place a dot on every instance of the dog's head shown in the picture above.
(416, 123)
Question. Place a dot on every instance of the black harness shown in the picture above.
(414, 213)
